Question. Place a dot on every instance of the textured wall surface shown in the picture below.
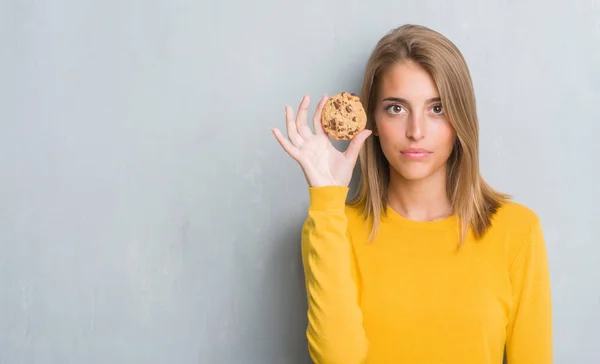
(147, 214)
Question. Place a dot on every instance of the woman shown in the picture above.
(427, 264)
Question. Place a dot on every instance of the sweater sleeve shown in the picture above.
(335, 332)
(529, 332)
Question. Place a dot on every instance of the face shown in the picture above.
(410, 123)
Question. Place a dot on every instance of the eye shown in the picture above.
(395, 109)
(438, 109)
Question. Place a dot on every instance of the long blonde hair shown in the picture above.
(473, 201)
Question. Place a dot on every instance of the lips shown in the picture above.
(416, 153)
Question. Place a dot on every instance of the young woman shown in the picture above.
(427, 263)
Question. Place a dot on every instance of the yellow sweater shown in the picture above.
(411, 296)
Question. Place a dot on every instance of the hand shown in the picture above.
(321, 162)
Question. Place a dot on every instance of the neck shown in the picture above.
(420, 200)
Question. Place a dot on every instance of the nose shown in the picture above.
(416, 128)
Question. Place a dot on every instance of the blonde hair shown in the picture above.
(473, 201)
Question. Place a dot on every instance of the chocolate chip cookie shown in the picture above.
(343, 116)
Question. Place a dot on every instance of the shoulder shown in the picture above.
(359, 226)
(516, 224)
(515, 219)
(355, 217)
(353, 212)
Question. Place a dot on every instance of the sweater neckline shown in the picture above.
(449, 222)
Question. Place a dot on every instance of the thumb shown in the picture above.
(356, 144)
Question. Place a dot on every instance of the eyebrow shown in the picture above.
(404, 101)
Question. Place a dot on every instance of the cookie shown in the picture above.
(343, 116)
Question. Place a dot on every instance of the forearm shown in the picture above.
(335, 332)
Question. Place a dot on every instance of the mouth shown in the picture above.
(416, 153)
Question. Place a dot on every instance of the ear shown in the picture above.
(374, 127)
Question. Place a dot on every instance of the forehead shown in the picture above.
(407, 80)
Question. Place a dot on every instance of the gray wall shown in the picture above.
(147, 214)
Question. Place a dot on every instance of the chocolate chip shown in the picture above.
(337, 104)
(353, 94)
(354, 118)
(349, 108)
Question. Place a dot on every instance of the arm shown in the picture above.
(529, 332)
(335, 332)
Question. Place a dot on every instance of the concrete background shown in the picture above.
(147, 214)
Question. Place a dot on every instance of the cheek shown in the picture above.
(389, 131)
(445, 137)
(390, 137)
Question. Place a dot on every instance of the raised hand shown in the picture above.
(321, 162)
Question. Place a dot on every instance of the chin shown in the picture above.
(415, 172)
(415, 176)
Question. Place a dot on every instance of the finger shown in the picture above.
(356, 145)
(285, 144)
(317, 125)
(290, 124)
(301, 124)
